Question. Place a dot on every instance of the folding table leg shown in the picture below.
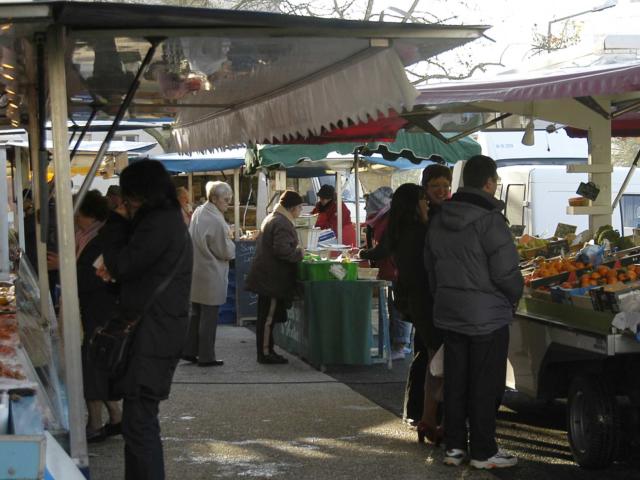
(384, 340)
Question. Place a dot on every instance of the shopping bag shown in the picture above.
(436, 366)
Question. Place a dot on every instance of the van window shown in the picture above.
(629, 213)
(514, 200)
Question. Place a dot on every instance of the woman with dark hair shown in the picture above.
(146, 245)
(407, 229)
(327, 210)
(436, 181)
(97, 305)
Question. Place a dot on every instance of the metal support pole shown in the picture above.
(4, 218)
(356, 162)
(339, 204)
(38, 189)
(600, 154)
(236, 202)
(190, 188)
(43, 156)
(18, 219)
(86, 184)
(84, 131)
(71, 326)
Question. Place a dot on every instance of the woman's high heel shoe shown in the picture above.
(433, 434)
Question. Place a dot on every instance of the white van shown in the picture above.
(536, 196)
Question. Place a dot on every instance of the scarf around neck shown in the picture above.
(83, 237)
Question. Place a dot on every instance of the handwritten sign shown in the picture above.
(246, 302)
(562, 230)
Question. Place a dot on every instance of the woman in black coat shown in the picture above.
(97, 305)
(97, 301)
(406, 233)
(146, 241)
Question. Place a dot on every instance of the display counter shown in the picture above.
(331, 323)
(32, 403)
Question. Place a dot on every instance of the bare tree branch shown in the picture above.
(425, 78)
(367, 12)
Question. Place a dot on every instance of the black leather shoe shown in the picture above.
(272, 359)
(214, 363)
(112, 429)
(190, 359)
(96, 436)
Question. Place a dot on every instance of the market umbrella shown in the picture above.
(408, 145)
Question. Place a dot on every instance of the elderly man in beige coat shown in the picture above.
(213, 248)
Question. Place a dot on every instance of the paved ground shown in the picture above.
(246, 420)
(534, 431)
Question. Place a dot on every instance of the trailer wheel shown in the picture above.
(594, 422)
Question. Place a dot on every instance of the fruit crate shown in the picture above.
(607, 299)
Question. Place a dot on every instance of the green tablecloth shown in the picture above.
(332, 325)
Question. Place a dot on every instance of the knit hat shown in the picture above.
(290, 199)
(326, 191)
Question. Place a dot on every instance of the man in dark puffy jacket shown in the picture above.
(473, 268)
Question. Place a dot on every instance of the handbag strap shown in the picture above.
(165, 283)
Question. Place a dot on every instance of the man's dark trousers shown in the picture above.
(143, 457)
(474, 378)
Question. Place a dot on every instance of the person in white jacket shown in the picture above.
(213, 248)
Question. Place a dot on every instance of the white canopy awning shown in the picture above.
(364, 89)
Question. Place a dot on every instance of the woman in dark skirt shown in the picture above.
(97, 305)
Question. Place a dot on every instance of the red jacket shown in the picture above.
(328, 218)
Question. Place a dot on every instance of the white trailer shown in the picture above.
(536, 197)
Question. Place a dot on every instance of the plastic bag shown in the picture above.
(592, 254)
(436, 366)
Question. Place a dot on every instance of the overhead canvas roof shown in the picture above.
(228, 77)
(510, 100)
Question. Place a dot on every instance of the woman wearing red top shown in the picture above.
(327, 210)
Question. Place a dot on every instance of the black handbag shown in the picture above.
(110, 345)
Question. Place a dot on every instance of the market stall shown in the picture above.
(332, 320)
(567, 340)
(268, 72)
(241, 305)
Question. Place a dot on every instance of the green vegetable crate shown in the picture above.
(327, 270)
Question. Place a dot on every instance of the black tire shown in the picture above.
(594, 422)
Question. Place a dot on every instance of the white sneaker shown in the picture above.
(499, 460)
(454, 457)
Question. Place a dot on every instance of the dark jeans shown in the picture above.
(143, 458)
(414, 391)
(270, 311)
(474, 374)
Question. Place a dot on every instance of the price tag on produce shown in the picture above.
(563, 229)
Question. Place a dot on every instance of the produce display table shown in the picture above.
(331, 324)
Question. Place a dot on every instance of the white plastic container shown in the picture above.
(308, 237)
(306, 221)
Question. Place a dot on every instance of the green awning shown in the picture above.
(414, 146)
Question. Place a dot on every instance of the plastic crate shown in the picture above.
(307, 221)
(325, 270)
